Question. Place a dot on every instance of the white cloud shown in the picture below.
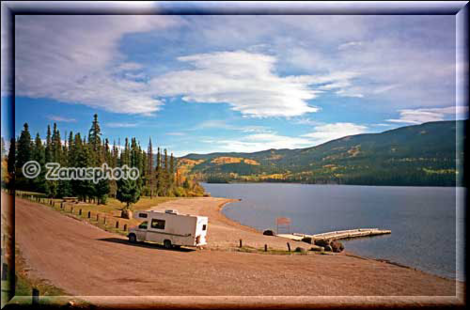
(260, 142)
(419, 116)
(61, 119)
(245, 81)
(272, 140)
(399, 71)
(76, 59)
(349, 45)
(328, 132)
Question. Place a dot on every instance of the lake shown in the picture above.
(422, 219)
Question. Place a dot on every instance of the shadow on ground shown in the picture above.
(146, 245)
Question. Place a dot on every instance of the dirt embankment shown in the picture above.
(87, 261)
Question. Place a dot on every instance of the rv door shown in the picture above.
(141, 231)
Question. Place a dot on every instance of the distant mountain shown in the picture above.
(420, 155)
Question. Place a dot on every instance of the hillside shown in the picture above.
(421, 155)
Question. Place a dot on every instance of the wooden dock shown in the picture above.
(337, 235)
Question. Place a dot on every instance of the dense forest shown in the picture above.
(157, 172)
(430, 154)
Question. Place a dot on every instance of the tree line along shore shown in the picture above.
(157, 176)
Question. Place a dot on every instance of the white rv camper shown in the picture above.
(169, 228)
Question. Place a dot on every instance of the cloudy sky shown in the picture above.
(234, 83)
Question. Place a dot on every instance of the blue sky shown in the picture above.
(234, 83)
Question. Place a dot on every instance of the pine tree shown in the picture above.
(48, 155)
(114, 163)
(70, 154)
(150, 172)
(128, 192)
(39, 156)
(94, 135)
(97, 157)
(56, 145)
(166, 174)
(84, 189)
(158, 175)
(24, 155)
(125, 155)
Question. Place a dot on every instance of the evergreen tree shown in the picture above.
(125, 155)
(84, 189)
(48, 155)
(97, 157)
(150, 167)
(24, 155)
(94, 135)
(166, 174)
(39, 156)
(56, 145)
(128, 192)
(70, 153)
(158, 175)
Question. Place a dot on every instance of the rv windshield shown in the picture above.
(143, 225)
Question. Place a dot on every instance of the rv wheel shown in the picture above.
(132, 238)
(167, 244)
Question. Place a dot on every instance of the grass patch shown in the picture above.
(106, 216)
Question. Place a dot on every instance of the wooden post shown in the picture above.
(288, 246)
(117, 224)
(80, 212)
(35, 296)
(241, 243)
(62, 205)
(4, 272)
(97, 217)
(71, 210)
(265, 247)
(89, 214)
(125, 227)
(104, 220)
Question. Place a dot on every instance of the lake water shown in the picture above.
(423, 220)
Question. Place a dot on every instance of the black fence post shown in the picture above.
(265, 247)
(241, 243)
(35, 296)
(288, 246)
(89, 214)
(125, 227)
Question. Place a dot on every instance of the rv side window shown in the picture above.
(158, 224)
(204, 227)
(143, 215)
(143, 225)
